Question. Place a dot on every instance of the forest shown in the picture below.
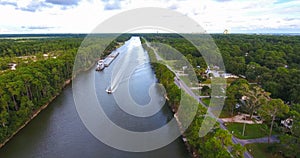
(217, 140)
(37, 78)
(268, 69)
(270, 61)
(26, 89)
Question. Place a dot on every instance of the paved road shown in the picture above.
(156, 54)
(191, 93)
(273, 139)
(183, 86)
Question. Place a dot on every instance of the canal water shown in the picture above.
(58, 132)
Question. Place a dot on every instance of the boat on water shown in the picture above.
(100, 65)
(109, 90)
(109, 59)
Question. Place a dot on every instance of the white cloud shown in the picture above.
(212, 15)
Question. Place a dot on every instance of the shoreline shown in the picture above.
(34, 114)
(188, 147)
(183, 137)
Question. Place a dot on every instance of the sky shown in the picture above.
(214, 16)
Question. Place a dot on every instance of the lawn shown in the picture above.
(252, 130)
(196, 91)
(208, 81)
(171, 63)
(260, 150)
(186, 80)
(206, 101)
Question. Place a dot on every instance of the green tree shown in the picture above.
(290, 143)
(272, 109)
(254, 99)
(238, 151)
(224, 137)
(214, 149)
(234, 93)
(205, 91)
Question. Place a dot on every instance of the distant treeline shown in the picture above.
(43, 35)
(25, 47)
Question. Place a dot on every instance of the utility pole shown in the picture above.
(244, 126)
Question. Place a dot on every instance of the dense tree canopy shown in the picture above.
(271, 67)
(34, 83)
(26, 89)
(217, 141)
(271, 61)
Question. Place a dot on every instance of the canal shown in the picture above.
(59, 132)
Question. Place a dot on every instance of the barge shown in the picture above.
(101, 64)
(110, 58)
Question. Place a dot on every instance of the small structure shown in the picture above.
(184, 67)
(12, 66)
(228, 75)
(244, 97)
(288, 123)
(226, 32)
(215, 67)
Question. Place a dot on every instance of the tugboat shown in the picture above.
(108, 90)
(100, 65)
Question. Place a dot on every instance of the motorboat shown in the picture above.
(109, 90)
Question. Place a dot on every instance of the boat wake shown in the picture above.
(134, 60)
(126, 65)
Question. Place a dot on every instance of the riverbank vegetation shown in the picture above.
(270, 68)
(217, 141)
(269, 64)
(24, 90)
(37, 79)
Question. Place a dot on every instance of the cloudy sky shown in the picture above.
(81, 16)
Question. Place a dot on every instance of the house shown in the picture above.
(288, 123)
